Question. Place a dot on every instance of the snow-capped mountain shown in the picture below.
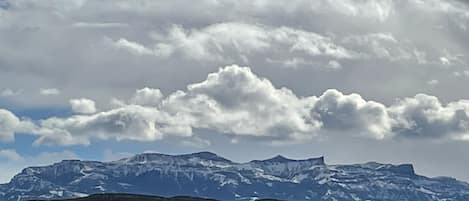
(206, 174)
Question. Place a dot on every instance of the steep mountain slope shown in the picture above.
(208, 175)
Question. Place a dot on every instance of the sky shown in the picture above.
(351, 80)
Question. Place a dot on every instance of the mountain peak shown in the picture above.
(206, 156)
(283, 159)
(278, 158)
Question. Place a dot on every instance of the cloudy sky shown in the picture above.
(353, 80)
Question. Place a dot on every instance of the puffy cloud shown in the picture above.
(425, 116)
(130, 122)
(352, 113)
(234, 100)
(237, 103)
(8, 125)
(147, 97)
(83, 106)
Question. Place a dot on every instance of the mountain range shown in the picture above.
(208, 175)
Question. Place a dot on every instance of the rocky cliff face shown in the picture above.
(209, 175)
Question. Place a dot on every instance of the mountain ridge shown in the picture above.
(208, 175)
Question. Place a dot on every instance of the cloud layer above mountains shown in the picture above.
(236, 102)
(355, 80)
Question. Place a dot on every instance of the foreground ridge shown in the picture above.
(208, 175)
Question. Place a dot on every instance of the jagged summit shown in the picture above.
(278, 159)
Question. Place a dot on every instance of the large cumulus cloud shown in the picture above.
(351, 113)
(233, 101)
(237, 103)
(425, 116)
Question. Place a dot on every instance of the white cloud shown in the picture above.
(132, 47)
(383, 46)
(351, 113)
(8, 125)
(147, 97)
(49, 91)
(236, 41)
(83, 106)
(232, 101)
(425, 116)
(236, 102)
(445, 61)
(10, 155)
(129, 122)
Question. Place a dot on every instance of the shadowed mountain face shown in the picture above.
(208, 175)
